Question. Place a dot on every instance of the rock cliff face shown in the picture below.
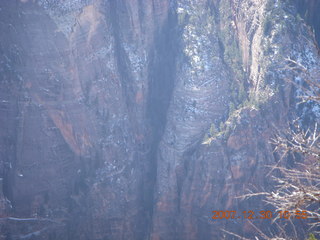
(136, 119)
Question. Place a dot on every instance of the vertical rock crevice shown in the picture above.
(162, 74)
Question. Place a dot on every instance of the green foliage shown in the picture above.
(238, 94)
(234, 90)
(311, 237)
(182, 17)
(213, 134)
(254, 103)
(206, 139)
(242, 93)
(213, 129)
(229, 39)
(232, 108)
(298, 16)
(232, 54)
(221, 127)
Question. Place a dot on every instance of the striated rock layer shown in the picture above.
(136, 119)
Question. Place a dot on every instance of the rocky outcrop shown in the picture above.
(137, 119)
(77, 138)
(244, 46)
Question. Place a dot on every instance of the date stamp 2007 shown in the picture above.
(259, 215)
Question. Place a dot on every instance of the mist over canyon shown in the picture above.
(135, 119)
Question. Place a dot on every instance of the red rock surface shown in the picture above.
(104, 106)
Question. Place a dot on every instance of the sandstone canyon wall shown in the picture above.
(105, 106)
